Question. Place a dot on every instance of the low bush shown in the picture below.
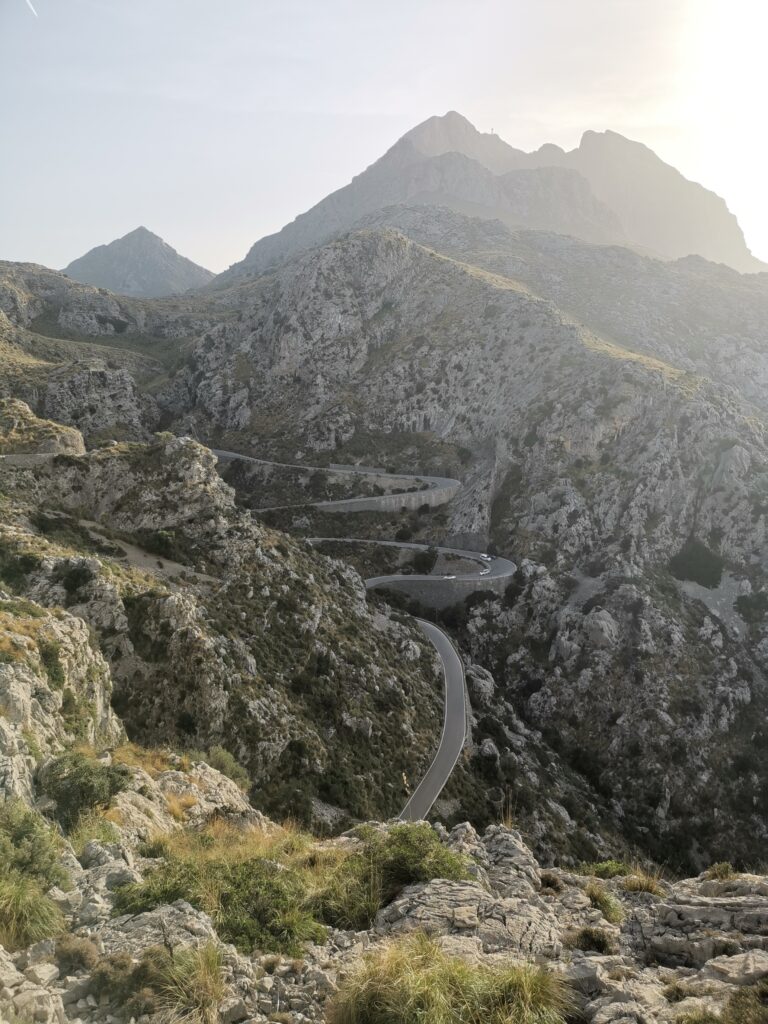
(605, 868)
(92, 825)
(643, 881)
(354, 890)
(75, 954)
(603, 901)
(753, 608)
(49, 655)
(700, 1016)
(592, 940)
(551, 881)
(227, 764)
(189, 985)
(254, 903)
(79, 783)
(29, 845)
(697, 563)
(748, 1005)
(27, 915)
(413, 981)
(183, 986)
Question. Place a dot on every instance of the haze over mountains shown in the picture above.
(609, 190)
(140, 264)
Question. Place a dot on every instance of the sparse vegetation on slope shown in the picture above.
(414, 981)
(276, 890)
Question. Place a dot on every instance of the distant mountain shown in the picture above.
(447, 162)
(658, 207)
(140, 264)
(609, 190)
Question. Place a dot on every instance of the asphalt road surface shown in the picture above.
(454, 727)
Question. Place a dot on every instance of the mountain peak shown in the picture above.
(139, 263)
(454, 133)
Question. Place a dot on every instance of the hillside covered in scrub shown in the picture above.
(209, 629)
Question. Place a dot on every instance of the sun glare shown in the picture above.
(724, 85)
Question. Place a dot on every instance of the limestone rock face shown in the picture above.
(22, 433)
(500, 924)
(55, 688)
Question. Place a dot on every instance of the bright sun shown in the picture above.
(725, 94)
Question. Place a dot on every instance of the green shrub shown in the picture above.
(277, 890)
(753, 607)
(607, 904)
(92, 825)
(424, 561)
(75, 954)
(700, 1016)
(224, 762)
(415, 982)
(254, 903)
(78, 783)
(643, 881)
(372, 877)
(190, 984)
(605, 868)
(49, 655)
(696, 562)
(592, 940)
(27, 915)
(29, 845)
(551, 881)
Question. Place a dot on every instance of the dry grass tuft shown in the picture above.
(413, 981)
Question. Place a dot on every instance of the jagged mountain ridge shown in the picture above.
(610, 189)
(140, 264)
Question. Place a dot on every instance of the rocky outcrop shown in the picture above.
(22, 433)
(55, 689)
(691, 947)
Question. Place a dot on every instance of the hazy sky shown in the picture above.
(213, 122)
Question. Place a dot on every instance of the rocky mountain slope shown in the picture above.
(634, 487)
(140, 883)
(699, 316)
(610, 189)
(605, 413)
(216, 630)
(139, 264)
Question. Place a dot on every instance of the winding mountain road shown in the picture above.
(454, 729)
(454, 726)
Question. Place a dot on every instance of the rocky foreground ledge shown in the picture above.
(628, 946)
